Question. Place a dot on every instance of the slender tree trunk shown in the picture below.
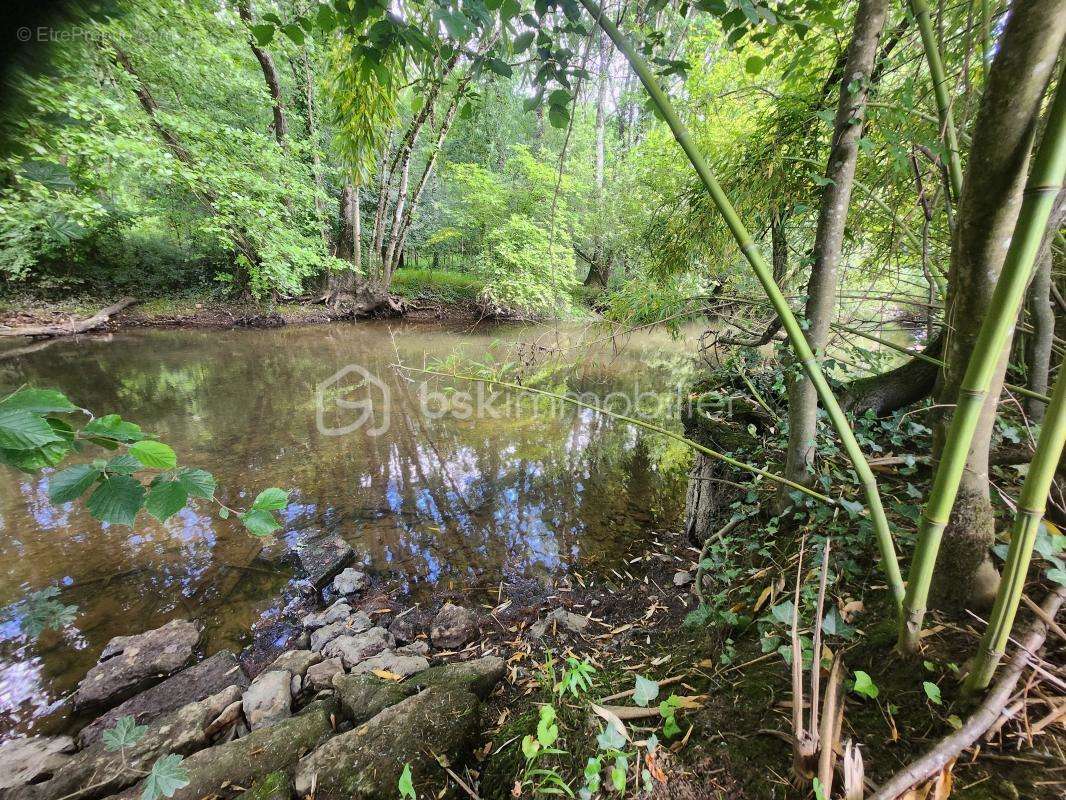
(779, 248)
(1042, 316)
(599, 268)
(312, 136)
(346, 242)
(821, 289)
(988, 209)
(270, 75)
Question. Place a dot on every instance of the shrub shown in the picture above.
(526, 274)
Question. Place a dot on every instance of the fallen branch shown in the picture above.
(69, 329)
(983, 717)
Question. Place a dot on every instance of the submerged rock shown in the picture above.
(396, 663)
(353, 649)
(365, 763)
(364, 696)
(350, 581)
(97, 772)
(32, 758)
(322, 556)
(453, 627)
(209, 677)
(130, 664)
(268, 699)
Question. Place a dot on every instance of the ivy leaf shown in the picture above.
(166, 499)
(611, 738)
(197, 483)
(166, 777)
(272, 499)
(39, 401)
(71, 483)
(782, 612)
(865, 685)
(645, 692)
(154, 454)
(116, 500)
(407, 784)
(932, 691)
(260, 522)
(126, 733)
(23, 430)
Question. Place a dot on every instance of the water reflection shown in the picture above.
(462, 501)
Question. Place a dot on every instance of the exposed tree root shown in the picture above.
(97, 320)
(897, 388)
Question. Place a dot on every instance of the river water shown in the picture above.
(428, 488)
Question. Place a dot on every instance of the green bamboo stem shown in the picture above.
(920, 9)
(640, 423)
(1044, 184)
(1027, 521)
(764, 273)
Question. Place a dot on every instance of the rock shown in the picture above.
(396, 663)
(276, 748)
(338, 612)
(96, 772)
(320, 675)
(365, 763)
(353, 649)
(362, 697)
(233, 714)
(295, 661)
(350, 581)
(322, 555)
(683, 578)
(32, 758)
(296, 685)
(453, 627)
(130, 664)
(419, 648)
(575, 623)
(268, 699)
(210, 676)
(356, 623)
(275, 786)
(409, 625)
(478, 676)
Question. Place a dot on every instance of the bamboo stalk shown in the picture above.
(920, 9)
(802, 350)
(1044, 184)
(1031, 506)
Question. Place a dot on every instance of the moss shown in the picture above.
(504, 766)
(274, 786)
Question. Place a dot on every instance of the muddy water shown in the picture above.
(428, 488)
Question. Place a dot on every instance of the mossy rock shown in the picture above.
(504, 766)
(275, 786)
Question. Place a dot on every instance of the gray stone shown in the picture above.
(353, 649)
(682, 578)
(268, 699)
(322, 555)
(350, 581)
(295, 661)
(296, 685)
(209, 677)
(365, 763)
(419, 648)
(575, 623)
(453, 627)
(396, 663)
(320, 675)
(130, 664)
(338, 612)
(97, 772)
(409, 625)
(358, 622)
(478, 676)
(362, 697)
(30, 758)
(264, 751)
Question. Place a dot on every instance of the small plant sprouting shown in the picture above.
(542, 779)
(576, 678)
(406, 785)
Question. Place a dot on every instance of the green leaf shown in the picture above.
(646, 691)
(932, 691)
(547, 730)
(618, 773)
(154, 454)
(39, 401)
(43, 611)
(112, 427)
(522, 41)
(783, 612)
(166, 777)
(865, 685)
(123, 465)
(197, 483)
(754, 65)
(611, 738)
(558, 116)
(23, 430)
(126, 733)
(272, 499)
(500, 67)
(71, 483)
(263, 34)
(260, 522)
(166, 499)
(407, 784)
(116, 500)
(294, 32)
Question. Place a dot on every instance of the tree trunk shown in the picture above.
(270, 75)
(898, 388)
(988, 209)
(346, 241)
(1042, 316)
(821, 289)
(312, 136)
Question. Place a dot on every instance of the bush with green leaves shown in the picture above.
(527, 273)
